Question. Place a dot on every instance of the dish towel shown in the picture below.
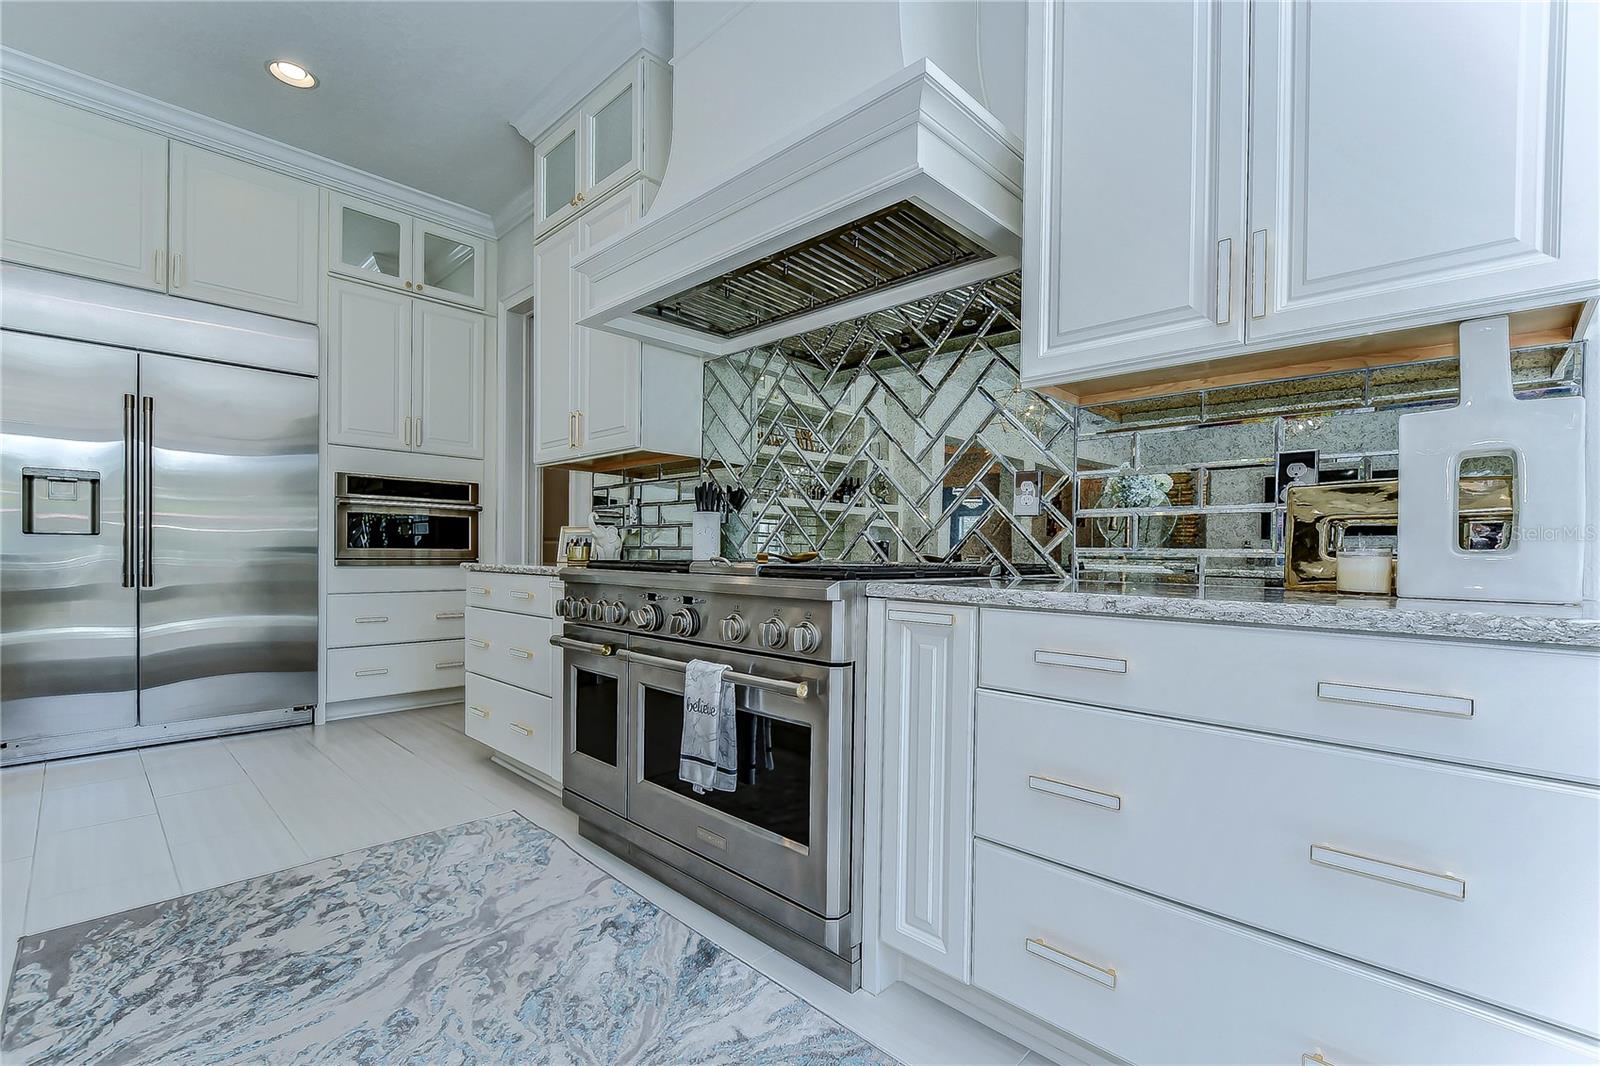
(708, 757)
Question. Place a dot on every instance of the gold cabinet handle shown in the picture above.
(1258, 274)
(408, 284)
(1314, 1058)
(1066, 790)
(453, 664)
(177, 271)
(520, 653)
(476, 643)
(155, 268)
(447, 616)
(419, 286)
(526, 731)
(372, 673)
(407, 421)
(1224, 293)
(481, 712)
(1100, 975)
(419, 419)
(1394, 873)
(477, 590)
(521, 594)
(371, 618)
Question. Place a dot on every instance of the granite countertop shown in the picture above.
(1517, 623)
(511, 568)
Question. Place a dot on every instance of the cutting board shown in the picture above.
(1542, 561)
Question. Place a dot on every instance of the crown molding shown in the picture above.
(69, 86)
(515, 213)
(645, 26)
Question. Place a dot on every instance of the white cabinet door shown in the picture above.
(82, 194)
(448, 264)
(448, 364)
(555, 309)
(1136, 202)
(608, 365)
(369, 242)
(369, 366)
(242, 236)
(926, 878)
(557, 175)
(609, 121)
(1410, 158)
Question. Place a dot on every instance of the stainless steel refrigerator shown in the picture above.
(158, 518)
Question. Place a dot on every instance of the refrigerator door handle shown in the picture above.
(130, 481)
(146, 479)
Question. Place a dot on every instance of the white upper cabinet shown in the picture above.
(1386, 188)
(619, 132)
(242, 236)
(404, 374)
(447, 404)
(608, 364)
(1134, 230)
(385, 246)
(1408, 158)
(82, 194)
(554, 342)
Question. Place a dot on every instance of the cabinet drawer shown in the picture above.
(1461, 703)
(514, 648)
(512, 721)
(364, 618)
(1153, 982)
(360, 673)
(1480, 882)
(522, 593)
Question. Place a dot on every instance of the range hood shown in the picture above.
(883, 178)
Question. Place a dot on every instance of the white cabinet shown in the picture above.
(403, 374)
(929, 652)
(1383, 192)
(513, 674)
(597, 393)
(619, 132)
(242, 236)
(388, 247)
(82, 194)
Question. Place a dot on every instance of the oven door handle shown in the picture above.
(571, 644)
(785, 686)
(397, 505)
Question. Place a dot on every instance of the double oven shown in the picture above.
(780, 844)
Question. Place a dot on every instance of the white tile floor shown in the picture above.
(84, 837)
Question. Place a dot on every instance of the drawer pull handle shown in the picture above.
(1100, 975)
(519, 594)
(481, 712)
(1081, 662)
(521, 653)
(477, 590)
(1109, 800)
(1395, 699)
(526, 731)
(368, 619)
(1394, 873)
(926, 618)
(451, 665)
(476, 643)
(449, 616)
(372, 673)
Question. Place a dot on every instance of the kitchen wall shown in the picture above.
(902, 435)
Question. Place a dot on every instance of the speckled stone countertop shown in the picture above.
(1516, 623)
(511, 568)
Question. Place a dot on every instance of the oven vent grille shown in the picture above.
(901, 243)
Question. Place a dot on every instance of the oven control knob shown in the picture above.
(648, 617)
(773, 633)
(564, 607)
(580, 609)
(735, 629)
(805, 638)
(685, 622)
(614, 612)
(596, 610)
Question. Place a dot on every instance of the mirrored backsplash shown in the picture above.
(906, 435)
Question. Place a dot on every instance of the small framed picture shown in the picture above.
(1295, 468)
(575, 546)
(1025, 500)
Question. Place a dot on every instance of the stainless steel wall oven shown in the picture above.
(397, 521)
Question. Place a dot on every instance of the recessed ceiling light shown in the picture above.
(292, 74)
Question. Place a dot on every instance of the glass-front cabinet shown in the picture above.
(619, 132)
(379, 244)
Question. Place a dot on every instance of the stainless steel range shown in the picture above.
(781, 848)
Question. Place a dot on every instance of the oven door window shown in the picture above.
(425, 532)
(594, 716)
(774, 791)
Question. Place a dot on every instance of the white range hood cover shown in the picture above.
(911, 152)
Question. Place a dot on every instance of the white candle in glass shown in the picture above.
(1365, 570)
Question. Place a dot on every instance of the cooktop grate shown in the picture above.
(898, 244)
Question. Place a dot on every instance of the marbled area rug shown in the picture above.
(493, 942)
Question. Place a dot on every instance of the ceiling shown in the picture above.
(422, 93)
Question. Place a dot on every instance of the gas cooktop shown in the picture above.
(811, 571)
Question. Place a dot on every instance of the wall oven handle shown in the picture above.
(582, 645)
(798, 689)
